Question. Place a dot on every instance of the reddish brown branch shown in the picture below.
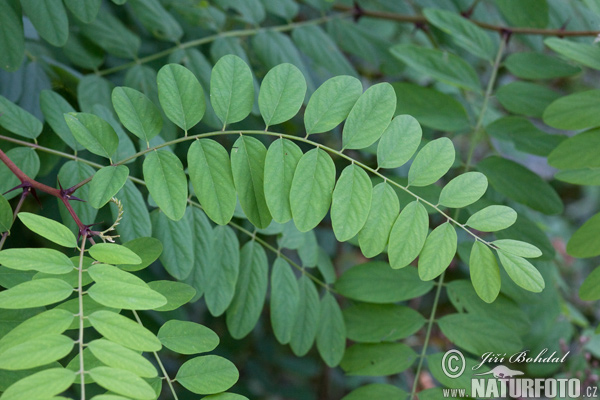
(65, 195)
(419, 19)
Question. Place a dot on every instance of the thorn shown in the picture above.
(69, 197)
(35, 196)
(357, 12)
(19, 186)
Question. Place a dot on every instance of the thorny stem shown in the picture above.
(26, 192)
(63, 195)
(212, 38)
(419, 19)
(160, 364)
(81, 315)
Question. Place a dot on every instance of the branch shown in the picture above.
(419, 19)
(29, 184)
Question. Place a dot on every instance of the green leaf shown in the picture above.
(36, 293)
(524, 98)
(248, 167)
(136, 222)
(331, 103)
(432, 162)
(106, 183)
(377, 359)
(54, 106)
(12, 39)
(207, 374)
(475, 333)
(166, 182)
(376, 282)
(94, 90)
(446, 67)
(528, 231)
(6, 215)
(306, 324)
(520, 184)
(575, 111)
(185, 337)
(369, 117)
(203, 245)
(41, 385)
(312, 188)
(399, 142)
(181, 96)
(116, 356)
(351, 202)
(103, 31)
(211, 177)
(108, 274)
(122, 330)
(250, 291)
(94, 133)
(583, 53)
(524, 135)
(375, 323)
(577, 152)
(281, 94)
(430, 107)
(463, 32)
(464, 190)
(281, 160)
(35, 352)
(326, 57)
(27, 160)
(222, 272)
(178, 248)
(251, 11)
(122, 382)
(331, 335)
(111, 253)
(583, 176)
(529, 65)
(176, 293)
(126, 296)
(51, 322)
(522, 272)
(49, 229)
(485, 274)
(518, 248)
(376, 391)
(374, 235)
(408, 235)
(137, 113)
(492, 218)
(85, 11)
(534, 13)
(49, 19)
(285, 299)
(158, 21)
(588, 291)
(231, 89)
(44, 260)
(228, 396)
(438, 251)
(18, 121)
(585, 242)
